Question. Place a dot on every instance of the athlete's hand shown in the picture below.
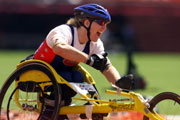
(125, 82)
(98, 61)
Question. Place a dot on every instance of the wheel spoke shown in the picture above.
(28, 98)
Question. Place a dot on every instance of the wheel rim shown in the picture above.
(167, 105)
(9, 85)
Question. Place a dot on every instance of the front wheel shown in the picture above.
(167, 105)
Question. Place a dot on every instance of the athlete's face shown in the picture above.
(97, 28)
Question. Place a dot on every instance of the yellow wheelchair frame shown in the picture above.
(132, 101)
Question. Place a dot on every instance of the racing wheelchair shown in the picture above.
(27, 88)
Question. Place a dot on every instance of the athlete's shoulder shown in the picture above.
(61, 32)
(63, 27)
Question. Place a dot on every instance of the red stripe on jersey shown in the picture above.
(44, 53)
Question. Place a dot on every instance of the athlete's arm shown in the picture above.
(59, 40)
(111, 74)
(68, 52)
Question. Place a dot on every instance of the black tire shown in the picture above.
(165, 97)
(8, 89)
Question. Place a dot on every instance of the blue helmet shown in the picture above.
(92, 11)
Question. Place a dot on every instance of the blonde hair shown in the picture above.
(74, 22)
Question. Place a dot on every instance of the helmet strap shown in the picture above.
(88, 29)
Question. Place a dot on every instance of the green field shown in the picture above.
(160, 70)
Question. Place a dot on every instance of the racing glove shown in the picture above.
(98, 61)
(125, 82)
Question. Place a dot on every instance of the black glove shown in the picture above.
(125, 82)
(98, 61)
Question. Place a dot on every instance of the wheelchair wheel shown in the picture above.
(26, 100)
(167, 105)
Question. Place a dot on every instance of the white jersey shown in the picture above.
(64, 35)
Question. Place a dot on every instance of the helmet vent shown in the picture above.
(90, 9)
(98, 7)
(100, 12)
(93, 11)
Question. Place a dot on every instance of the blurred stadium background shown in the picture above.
(150, 25)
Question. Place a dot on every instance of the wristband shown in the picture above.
(90, 61)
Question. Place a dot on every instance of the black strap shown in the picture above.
(88, 29)
(87, 47)
(72, 31)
